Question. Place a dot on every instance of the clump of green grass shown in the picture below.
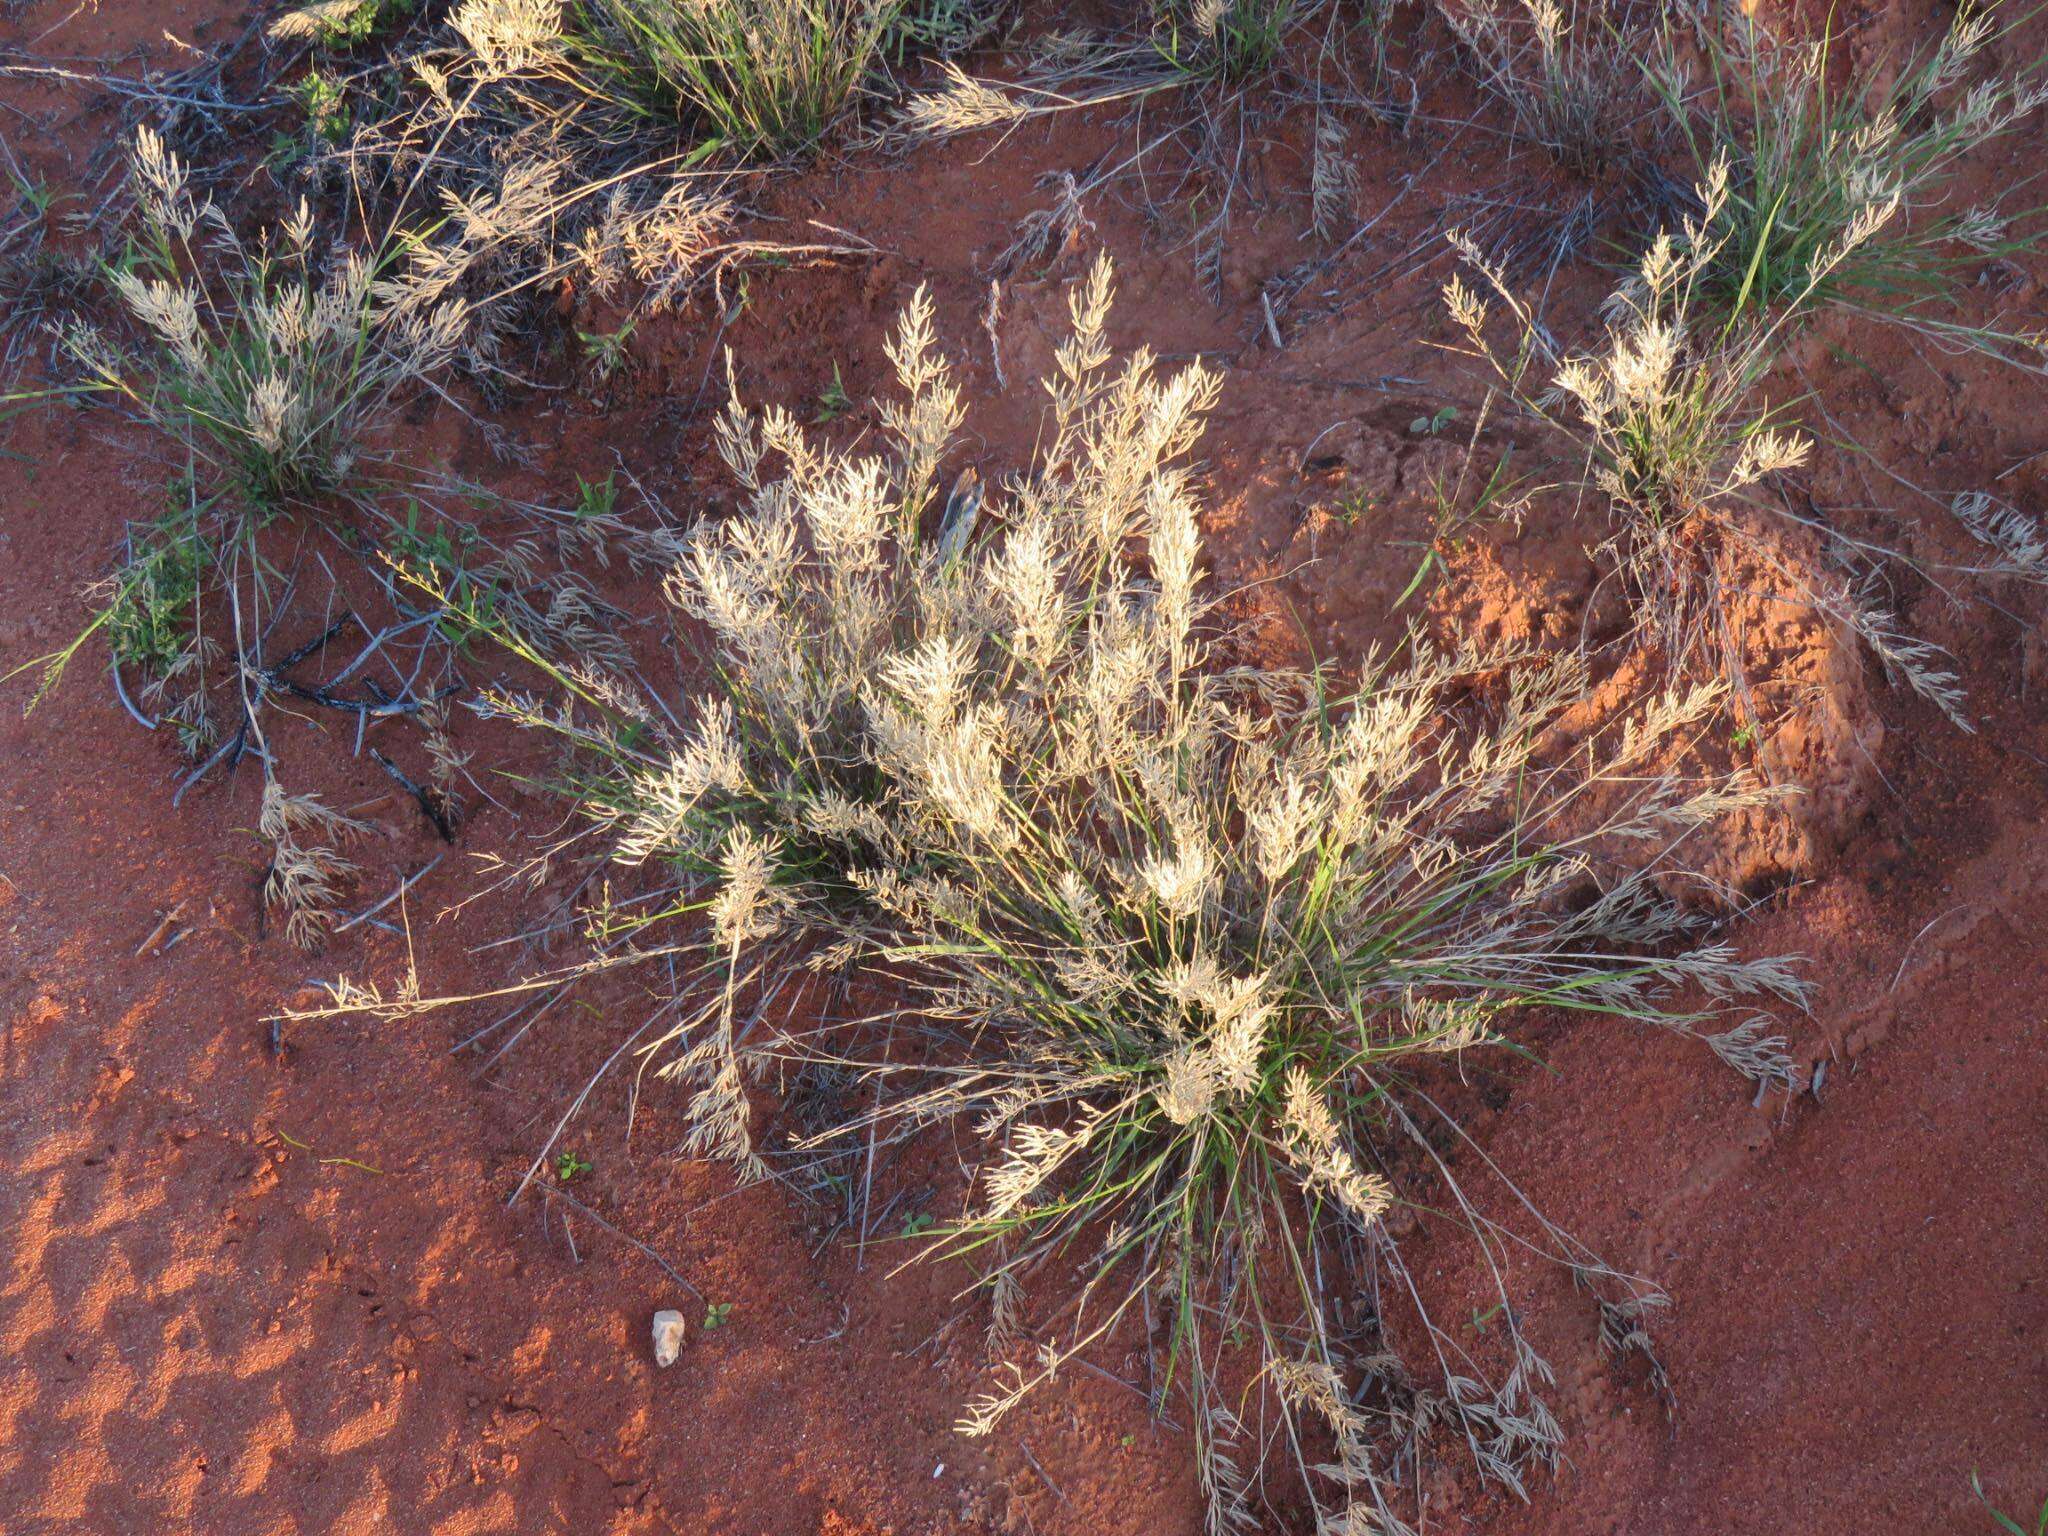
(265, 367)
(1232, 40)
(1198, 936)
(766, 75)
(946, 28)
(1841, 194)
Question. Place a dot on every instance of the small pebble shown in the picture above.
(668, 1336)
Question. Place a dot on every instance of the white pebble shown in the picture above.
(668, 1336)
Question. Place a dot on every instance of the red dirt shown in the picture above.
(254, 1291)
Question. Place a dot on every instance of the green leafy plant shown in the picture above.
(597, 498)
(36, 194)
(1356, 507)
(321, 97)
(571, 1165)
(1481, 1321)
(716, 1313)
(149, 612)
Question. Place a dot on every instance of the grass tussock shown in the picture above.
(266, 363)
(1677, 444)
(762, 74)
(1191, 935)
(1841, 193)
(1570, 75)
(1229, 39)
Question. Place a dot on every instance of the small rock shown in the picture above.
(668, 1336)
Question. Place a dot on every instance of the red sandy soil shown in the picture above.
(256, 1290)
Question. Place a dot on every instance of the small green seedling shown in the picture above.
(715, 1314)
(913, 1225)
(36, 195)
(597, 498)
(743, 295)
(320, 97)
(571, 1165)
(1352, 510)
(1433, 426)
(2006, 1522)
(1744, 737)
(833, 400)
(607, 349)
(1481, 1319)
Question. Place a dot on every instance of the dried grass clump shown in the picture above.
(520, 161)
(307, 868)
(1196, 934)
(273, 366)
(1679, 446)
(266, 363)
(1571, 76)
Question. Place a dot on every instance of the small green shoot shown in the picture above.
(607, 350)
(743, 296)
(571, 1165)
(833, 400)
(35, 195)
(715, 1315)
(597, 498)
(1433, 426)
(2006, 1523)
(1354, 509)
